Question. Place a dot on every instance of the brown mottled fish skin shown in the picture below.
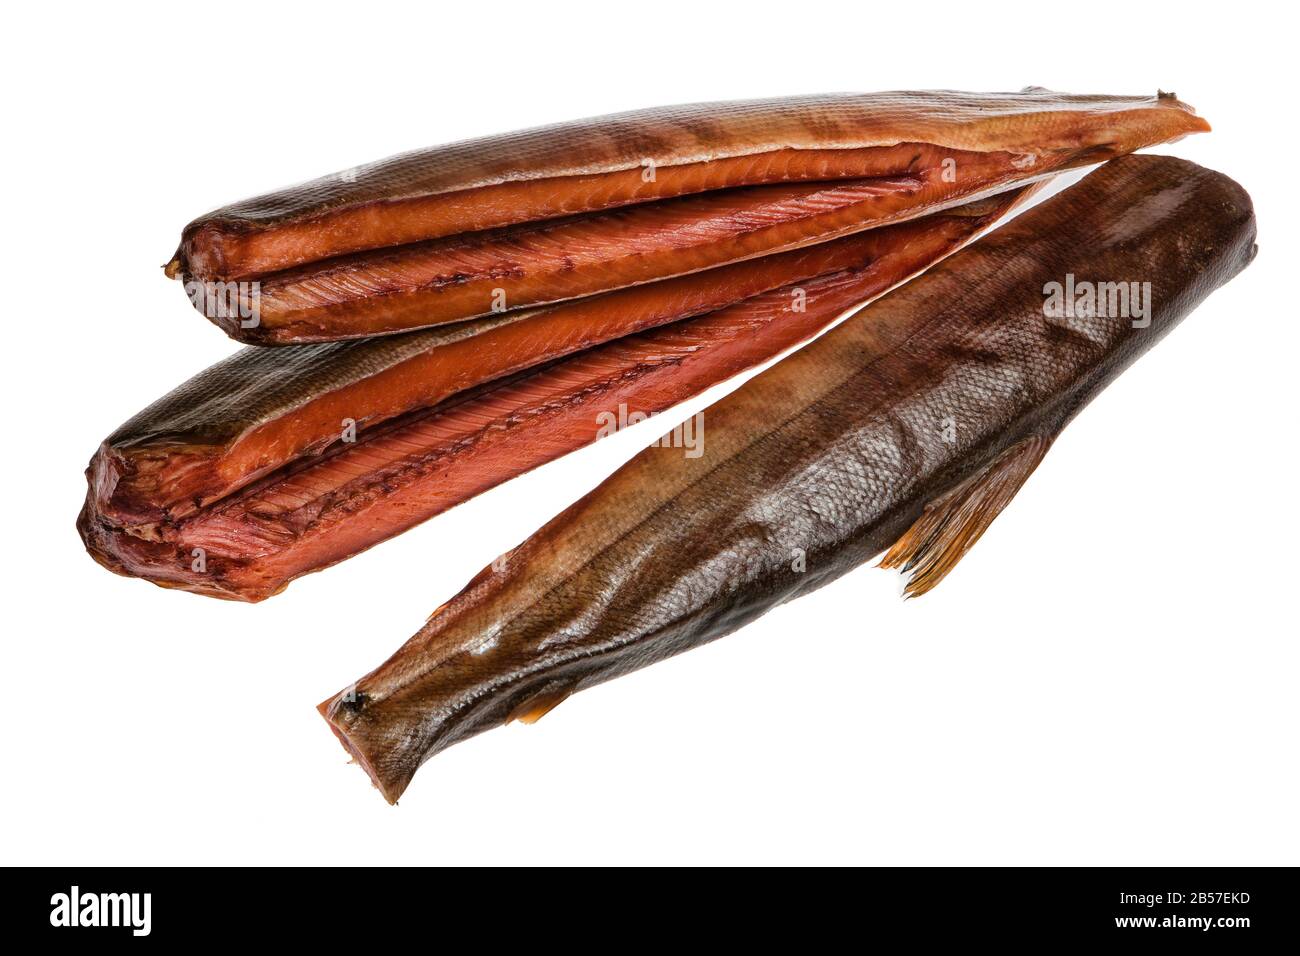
(835, 451)
(321, 509)
(601, 163)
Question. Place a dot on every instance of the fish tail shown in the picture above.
(951, 524)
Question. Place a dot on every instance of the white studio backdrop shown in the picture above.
(1108, 678)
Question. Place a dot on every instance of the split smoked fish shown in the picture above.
(222, 487)
(465, 230)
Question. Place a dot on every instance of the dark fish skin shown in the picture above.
(832, 455)
(599, 163)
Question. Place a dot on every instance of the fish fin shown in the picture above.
(539, 705)
(951, 524)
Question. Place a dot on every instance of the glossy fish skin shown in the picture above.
(318, 511)
(600, 163)
(835, 451)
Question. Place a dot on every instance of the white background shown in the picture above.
(1110, 677)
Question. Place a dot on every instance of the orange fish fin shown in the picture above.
(539, 705)
(950, 525)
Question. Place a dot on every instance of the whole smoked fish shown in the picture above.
(908, 428)
(191, 476)
(505, 222)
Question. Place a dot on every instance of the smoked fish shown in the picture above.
(240, 480)
(906, 429)
(523, 219)
(261, 409)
